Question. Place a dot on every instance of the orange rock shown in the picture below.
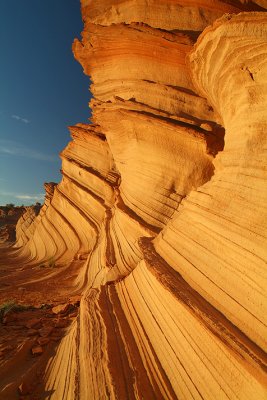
(61, 308)
(75, 300)
(43, 341)
(45, 331)
(37, 350)
(73, 314)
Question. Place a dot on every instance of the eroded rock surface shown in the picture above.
(159, 222)
(9, 216)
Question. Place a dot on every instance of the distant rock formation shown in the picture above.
(164, 197)
(26, 226)
(9, 216)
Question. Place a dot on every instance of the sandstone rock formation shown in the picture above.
(9, 216)
(162, 206)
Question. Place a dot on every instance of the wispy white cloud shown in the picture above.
(16, 149)
(29, 197)
(23, 196)
(18, 118)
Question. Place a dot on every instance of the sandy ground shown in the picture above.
(36, 312)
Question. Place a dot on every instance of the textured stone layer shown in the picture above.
(163, 197)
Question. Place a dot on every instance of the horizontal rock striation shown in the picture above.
(162, 200)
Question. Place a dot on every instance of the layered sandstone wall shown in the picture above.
(163, 196)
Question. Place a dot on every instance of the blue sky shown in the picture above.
(42, 91)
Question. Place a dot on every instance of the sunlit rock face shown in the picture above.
(164, 198)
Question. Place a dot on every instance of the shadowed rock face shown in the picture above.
(8, 220)
(163, 197)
